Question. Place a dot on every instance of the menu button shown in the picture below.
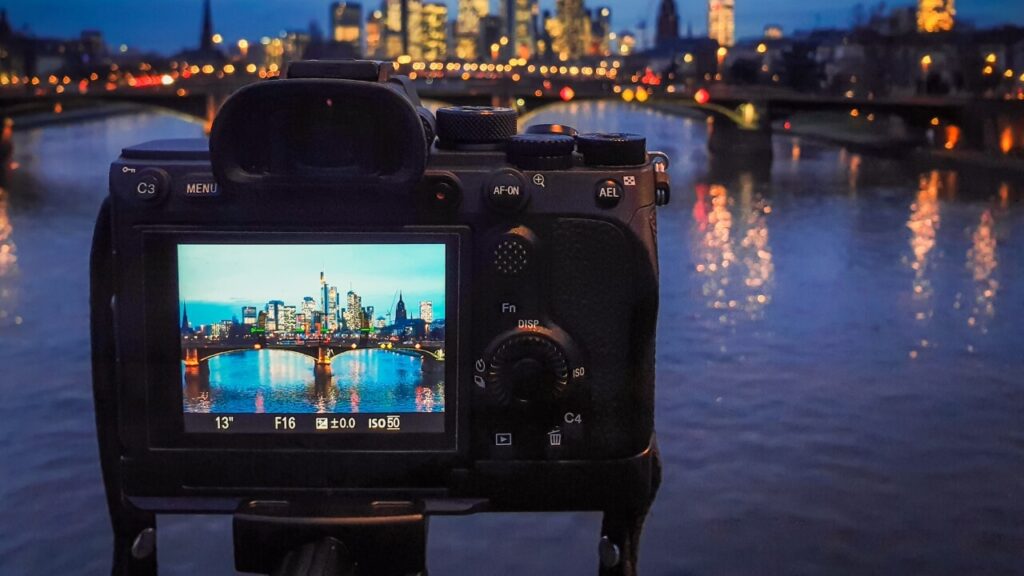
(199, 186)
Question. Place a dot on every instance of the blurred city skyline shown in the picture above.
(168, 26)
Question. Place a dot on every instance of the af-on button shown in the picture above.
(506, 191)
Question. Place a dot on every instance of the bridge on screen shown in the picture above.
(195, 354)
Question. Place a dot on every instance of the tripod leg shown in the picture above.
(621, 529)
(134, 543)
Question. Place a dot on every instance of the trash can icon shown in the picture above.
(555, 437)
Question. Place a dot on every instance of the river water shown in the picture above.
(840, 376)
(283, 381)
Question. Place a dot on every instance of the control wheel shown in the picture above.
(475, 127)
(529, 368)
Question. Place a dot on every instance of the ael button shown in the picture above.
(506, 191)
(608, 193)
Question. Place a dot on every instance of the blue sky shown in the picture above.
(169, 25)
(217, 280)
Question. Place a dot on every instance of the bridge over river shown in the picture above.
(195, 353)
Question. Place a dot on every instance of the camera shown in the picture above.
(344, 306)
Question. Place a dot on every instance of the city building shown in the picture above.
(332, 308)
(375, 30)
(347, 26)
(722, 21)
(394, 19)
(286, 323)
(626, 43)
(935, 15)
(275, 315)
(519, 18)
(427, 311)
(469, 32)
(567, 37)
(413, 37)
(354, 312)
(491, 32)
(773, 32)
(400, 313)
(186, 327)
(206, 39)
(668, 24)
(435, 31)
(602, 32)
(208, 50)
(249, 315)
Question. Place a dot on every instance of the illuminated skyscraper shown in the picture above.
(347, 24)
(354, 312)
(567, 36)
(287, 321)
(603, 31)
(413, 28)
(935, 15)
(393, 37)
(375, 30)
(332, 308)
(435, 31)
(275, 315)
(468, 31)
(722, 21)
(519, 26)
(427, 311)
(668, 24)
(249, 315)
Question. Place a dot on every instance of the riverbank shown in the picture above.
(27, 119)
(876, 136)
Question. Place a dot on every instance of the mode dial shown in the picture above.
(475, 127)
(541, 151)
(528, 368)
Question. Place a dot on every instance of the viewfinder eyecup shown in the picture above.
(319, 134)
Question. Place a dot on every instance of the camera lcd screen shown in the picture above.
(344, 338)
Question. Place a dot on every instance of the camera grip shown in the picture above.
(134, 529)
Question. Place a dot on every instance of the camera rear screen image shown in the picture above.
(312, 338)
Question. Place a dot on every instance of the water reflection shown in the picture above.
(8, 264)
(256, 381)
(923, 223)
(733, 255)
(982, 262)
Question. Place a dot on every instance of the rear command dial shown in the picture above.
(528, 368)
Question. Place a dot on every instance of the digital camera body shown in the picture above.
(515, 371)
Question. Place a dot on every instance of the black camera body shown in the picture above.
(535, 391)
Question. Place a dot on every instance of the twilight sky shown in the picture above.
(169, 25)
(217, 280)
